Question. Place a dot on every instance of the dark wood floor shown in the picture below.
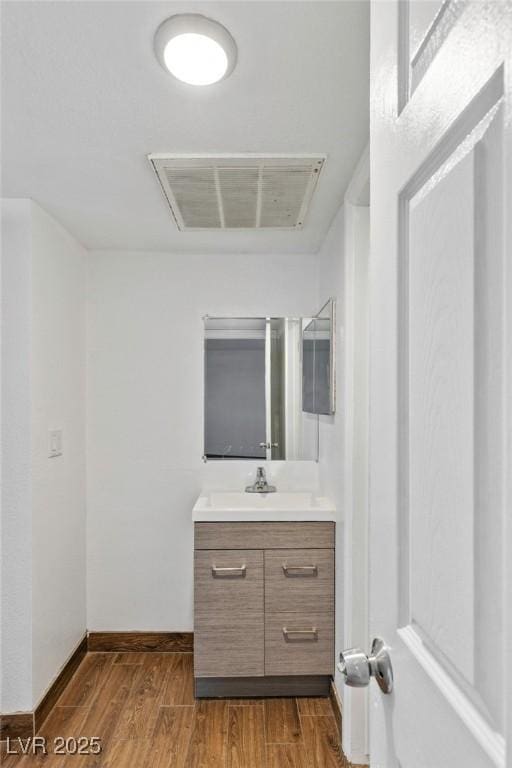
(142, 707)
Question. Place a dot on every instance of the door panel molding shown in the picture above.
(415, 60)
(459, 140)
(491, 742)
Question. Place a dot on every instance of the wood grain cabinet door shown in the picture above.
(299, 580)
(299, 643)
(228, 613)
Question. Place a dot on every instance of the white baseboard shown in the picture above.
(356, 759)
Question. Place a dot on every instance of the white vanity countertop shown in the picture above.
(232, 507)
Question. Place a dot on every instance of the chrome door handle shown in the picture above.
(300, 570)
(305, 634)
(269, 445)
(239, 570)
(357, 668)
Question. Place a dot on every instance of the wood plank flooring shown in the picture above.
(142, 707)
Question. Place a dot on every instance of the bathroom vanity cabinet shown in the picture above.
(264, 608)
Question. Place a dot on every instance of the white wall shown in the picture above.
(43, 500)
(145, 416)
(16, 542)
(331, 283)
(58, 484)
(343, 464)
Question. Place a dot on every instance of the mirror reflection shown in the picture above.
(253, 390)
(318, 382)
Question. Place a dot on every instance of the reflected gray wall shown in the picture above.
(235, 398)
(308, 375)
(323, 376)
(316, 375)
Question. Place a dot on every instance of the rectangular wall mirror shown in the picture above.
(253, 390)
(318, 366)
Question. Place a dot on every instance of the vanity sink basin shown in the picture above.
(234, 500)
(279, 506)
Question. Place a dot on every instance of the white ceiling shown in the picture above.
(84, 101)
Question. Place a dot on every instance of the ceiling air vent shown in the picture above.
(238, 191)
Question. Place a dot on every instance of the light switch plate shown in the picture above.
(54, 443)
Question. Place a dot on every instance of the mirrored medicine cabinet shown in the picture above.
(266, 380)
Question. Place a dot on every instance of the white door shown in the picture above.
(441, 394)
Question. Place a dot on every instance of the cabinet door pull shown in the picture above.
(300, 570)
(236, 571)
(304, 634)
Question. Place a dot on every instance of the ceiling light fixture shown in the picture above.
(195, 49)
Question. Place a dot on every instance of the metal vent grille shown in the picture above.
(238, 192)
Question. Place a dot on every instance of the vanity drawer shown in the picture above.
(299, 644)
(264, 535)
(299, 580)
(228, 609)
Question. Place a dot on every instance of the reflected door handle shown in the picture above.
(269, 445)
(357, 668)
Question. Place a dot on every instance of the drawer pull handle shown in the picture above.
(237, 571)
(309, 635)
(300, 570)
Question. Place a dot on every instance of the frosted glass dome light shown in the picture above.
(195, 49)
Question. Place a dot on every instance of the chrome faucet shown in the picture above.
(260, 485)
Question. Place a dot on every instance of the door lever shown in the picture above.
(357, 668)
